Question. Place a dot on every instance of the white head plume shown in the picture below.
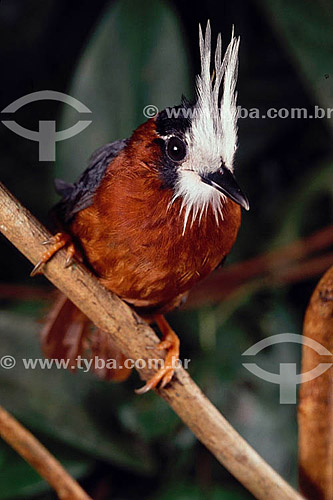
(212, 137)
(214, 126)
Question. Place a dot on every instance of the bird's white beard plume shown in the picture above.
(196, 198)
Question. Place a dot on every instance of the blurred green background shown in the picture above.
(117, 57)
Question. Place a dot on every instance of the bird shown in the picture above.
(154, 214)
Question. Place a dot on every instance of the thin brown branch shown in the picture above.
(280, 257)
(315, 411)
(138, 341)
(314, 266)
(39, 458)
(24, 292)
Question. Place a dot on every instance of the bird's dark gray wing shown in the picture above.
(78, 196)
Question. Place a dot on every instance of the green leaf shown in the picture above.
(307, 30)
(223, 494)
(189, 491)
(135, 57)
(181, 491)
(151, 418)
(299, 203)
(19, 480)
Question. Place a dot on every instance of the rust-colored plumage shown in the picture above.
(134, 239)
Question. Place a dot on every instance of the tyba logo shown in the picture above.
(288, 378)
(47, 136)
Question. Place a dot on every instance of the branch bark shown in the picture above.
(315, 410)
(138, 341)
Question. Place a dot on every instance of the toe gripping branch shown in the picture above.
(170, 342)
(56, 242)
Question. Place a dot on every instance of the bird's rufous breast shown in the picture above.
(134, 238)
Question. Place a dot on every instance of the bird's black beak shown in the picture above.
(223, 180)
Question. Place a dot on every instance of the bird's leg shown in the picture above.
(57, 242)
(170, 342)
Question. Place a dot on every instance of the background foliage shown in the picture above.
(117, 57)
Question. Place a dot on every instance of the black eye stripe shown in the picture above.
(176, 149)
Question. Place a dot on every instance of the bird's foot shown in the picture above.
(170, 342)
(56, 242)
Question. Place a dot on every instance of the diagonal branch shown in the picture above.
(138, 341)
(39, 458)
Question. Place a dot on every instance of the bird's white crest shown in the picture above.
(214, 126)
(212, 138)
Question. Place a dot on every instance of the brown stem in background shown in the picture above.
(137, 340)
(14, 291)
(315, 411)
(39, 458)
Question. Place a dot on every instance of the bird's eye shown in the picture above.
(176, 149)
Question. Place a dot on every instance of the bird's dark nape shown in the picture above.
(174, 120)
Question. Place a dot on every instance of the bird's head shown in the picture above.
(198, 142)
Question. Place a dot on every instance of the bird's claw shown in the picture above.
(57, 241)
(162, 377)
(68, 261)
(49, 241)
(170, 342)
(70, 255)
(37, 269)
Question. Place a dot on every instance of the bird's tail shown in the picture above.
(69, 335)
